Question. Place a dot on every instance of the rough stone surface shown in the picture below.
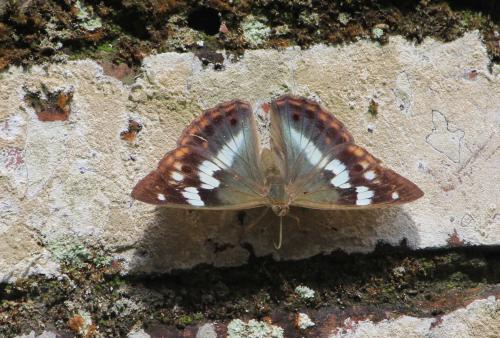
(437, 123)
(206, 331)
(45, 334)
(481, 318)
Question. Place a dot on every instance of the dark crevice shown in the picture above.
(204, 19)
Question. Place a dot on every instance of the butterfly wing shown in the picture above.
(321, 165)
(215, 165)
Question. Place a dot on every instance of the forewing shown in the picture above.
(323, 168)
(215, 165)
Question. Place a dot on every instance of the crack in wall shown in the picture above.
(445, 140)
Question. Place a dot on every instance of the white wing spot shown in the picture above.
(364, 195)
(345, 186)
(177, 176)
(367, 201)
(395, 195)
(209, 181)
(197, 203)
(336, 166)
(209, 167)
(192, 190)
(192, 196)
(340, 179)
(161, 197)
(370, 175)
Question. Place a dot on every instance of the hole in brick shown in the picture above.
(50, 106)
(205, 20)
(130, 134)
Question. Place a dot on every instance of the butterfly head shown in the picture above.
(281, 209)
(279, 199)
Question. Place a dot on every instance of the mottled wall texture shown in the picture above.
(73, 143)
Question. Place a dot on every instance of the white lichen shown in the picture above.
(304, 292)
(140, 333)
(310, 19)
(253, 329)
(399, 271)
(206, 331)
(255, 32)
(304, 321)
(281, 30)
(74, 253)
(377, 32)
(124, 307)
(344, 18)
(85, 15)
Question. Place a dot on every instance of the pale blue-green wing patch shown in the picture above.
(215, 166)
(301, 134)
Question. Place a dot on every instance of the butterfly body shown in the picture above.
(219, 165)
(278, 198)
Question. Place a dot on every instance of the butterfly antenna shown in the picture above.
(280, 240)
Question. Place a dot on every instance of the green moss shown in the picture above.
(426, 267)
(106, 47)
(186, 319)
(472, 20)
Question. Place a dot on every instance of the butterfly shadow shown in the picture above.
(322, 231)
(181, 239)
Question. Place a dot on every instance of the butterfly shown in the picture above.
(312, 162)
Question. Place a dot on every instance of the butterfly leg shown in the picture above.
(295, 218)
(256, 221)
(246, 228)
